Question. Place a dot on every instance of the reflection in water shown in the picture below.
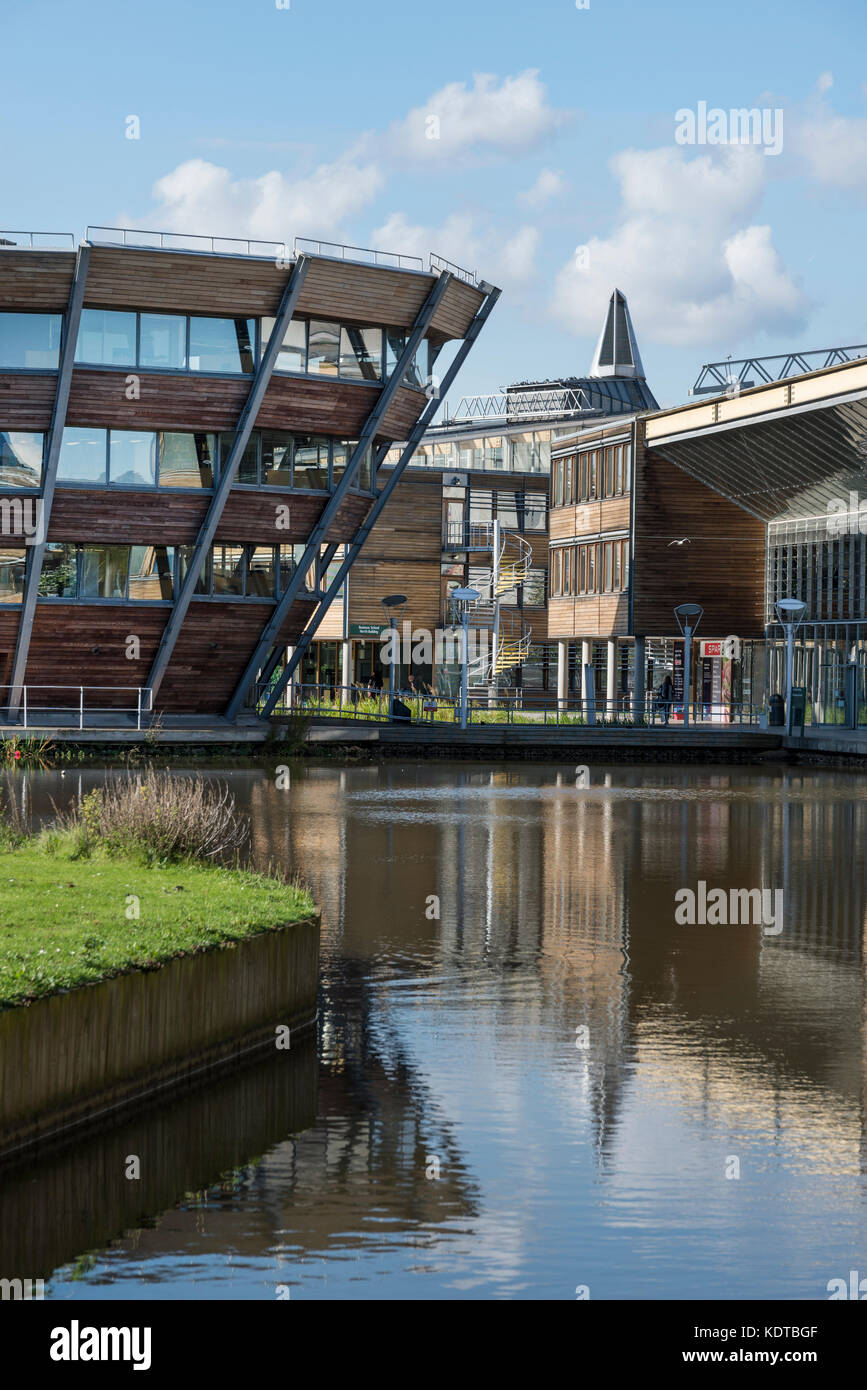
(480, 925)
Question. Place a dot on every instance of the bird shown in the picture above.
(685, 541)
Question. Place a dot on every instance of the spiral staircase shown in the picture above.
(509, 636)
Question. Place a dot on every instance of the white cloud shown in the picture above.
(686, 252)
(198, 196)
(516, 262)
(511, 117)
(833, 147)
(508, 261)
(548, 185)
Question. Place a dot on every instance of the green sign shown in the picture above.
(366, 629)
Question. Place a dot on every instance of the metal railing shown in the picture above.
(20, 705)
(518, 405)
(439, 264)
(716, 378)
(365, 254)
(183, 241)
(531, 708)
(48, 240)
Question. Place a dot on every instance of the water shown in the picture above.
(445, 1137)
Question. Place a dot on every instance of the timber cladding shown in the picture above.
(719, 565)
(410, 527)
(36, 280)
(589, 615)
(26, 400)
(372, 580)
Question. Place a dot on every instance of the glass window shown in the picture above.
(58, 577)
(104, 571)
(591, 569)
(608, 549)
(618, 545)
(163, 341)
(248, 469)
(20, 458)
(292, 356)
(507, 510)
(106, 337)
(261, 573)
(534, 589)
(13, 560)
(150, 572)
(228, 564)
(82, 457)
(624, 566)
(364, 476)
(535, 511)
(276, 458)
(185, 556)
(287, 565)
(396, 340)
(311, 462)
(186, 460)
(30, 341)
(323, 357)
(132, 458)
(222, 345)
(361, 353)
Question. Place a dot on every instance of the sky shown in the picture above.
(543, 145)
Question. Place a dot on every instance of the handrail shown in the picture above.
(439, 264)
(167, 241)
(62, 238)
(336, 250)
(78, 707)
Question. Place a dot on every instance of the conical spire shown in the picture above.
(617, 350)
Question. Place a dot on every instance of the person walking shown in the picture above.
(666, 697)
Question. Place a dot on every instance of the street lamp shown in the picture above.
(393, 606)
(790, 611)
(464, 599)
(688, 618)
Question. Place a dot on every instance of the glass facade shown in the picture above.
(528, 451)
(592, 474)
(30, 342)
(13, 562)
(21, 453)
(163, 342)
(132, 458)
(601, 567)
(107, 337)
(152, 573)
(222, 345)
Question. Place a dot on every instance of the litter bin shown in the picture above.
(776, 710)
(401, 713)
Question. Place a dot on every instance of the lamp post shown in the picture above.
(688, 618)
(465, 598)
(393, 606)
(790, 611)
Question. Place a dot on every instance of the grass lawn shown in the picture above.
(63, 921)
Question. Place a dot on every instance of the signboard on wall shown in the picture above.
(366, 629)
(712, 648)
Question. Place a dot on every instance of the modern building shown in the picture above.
(192, 434)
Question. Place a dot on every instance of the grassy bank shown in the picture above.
(127, 880)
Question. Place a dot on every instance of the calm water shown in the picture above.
(447, 1046)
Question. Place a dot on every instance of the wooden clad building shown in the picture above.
(191, 441)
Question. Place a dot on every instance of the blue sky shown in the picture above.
(556, 131)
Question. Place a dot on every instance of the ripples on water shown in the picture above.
(445, 1137)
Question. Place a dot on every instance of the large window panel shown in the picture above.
(13, 562)
(323, 353)
(106, 338)
(104, 571)
(311, 462)
(276, 458)
(292, 356)
(185, 557)
(30, 342)
(151, 568)
(248, 468)
(21, 458)
(535, 511)
(163, 341)
(187, 460)
(361, 353)
(83, 456)
(228, 566)
(59, 571)
(261, 571)
(132, 460)
(222, 345)
(396, 341)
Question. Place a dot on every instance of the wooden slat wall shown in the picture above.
(596, 615)
(169, 518)
(460, 304)
(722, 568)
(371, 580)
(9, 616)
(26, 401)
(410, 527)
(62, 641)
(35, 280)
(214, 671)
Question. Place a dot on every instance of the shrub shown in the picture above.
(158, 815)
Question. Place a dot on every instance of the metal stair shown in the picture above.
(511, 558)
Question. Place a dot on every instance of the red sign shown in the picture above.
(711, 648)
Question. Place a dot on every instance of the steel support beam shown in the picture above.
(421, 426)
(320, 531)
(246, 421)
(49, 476)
